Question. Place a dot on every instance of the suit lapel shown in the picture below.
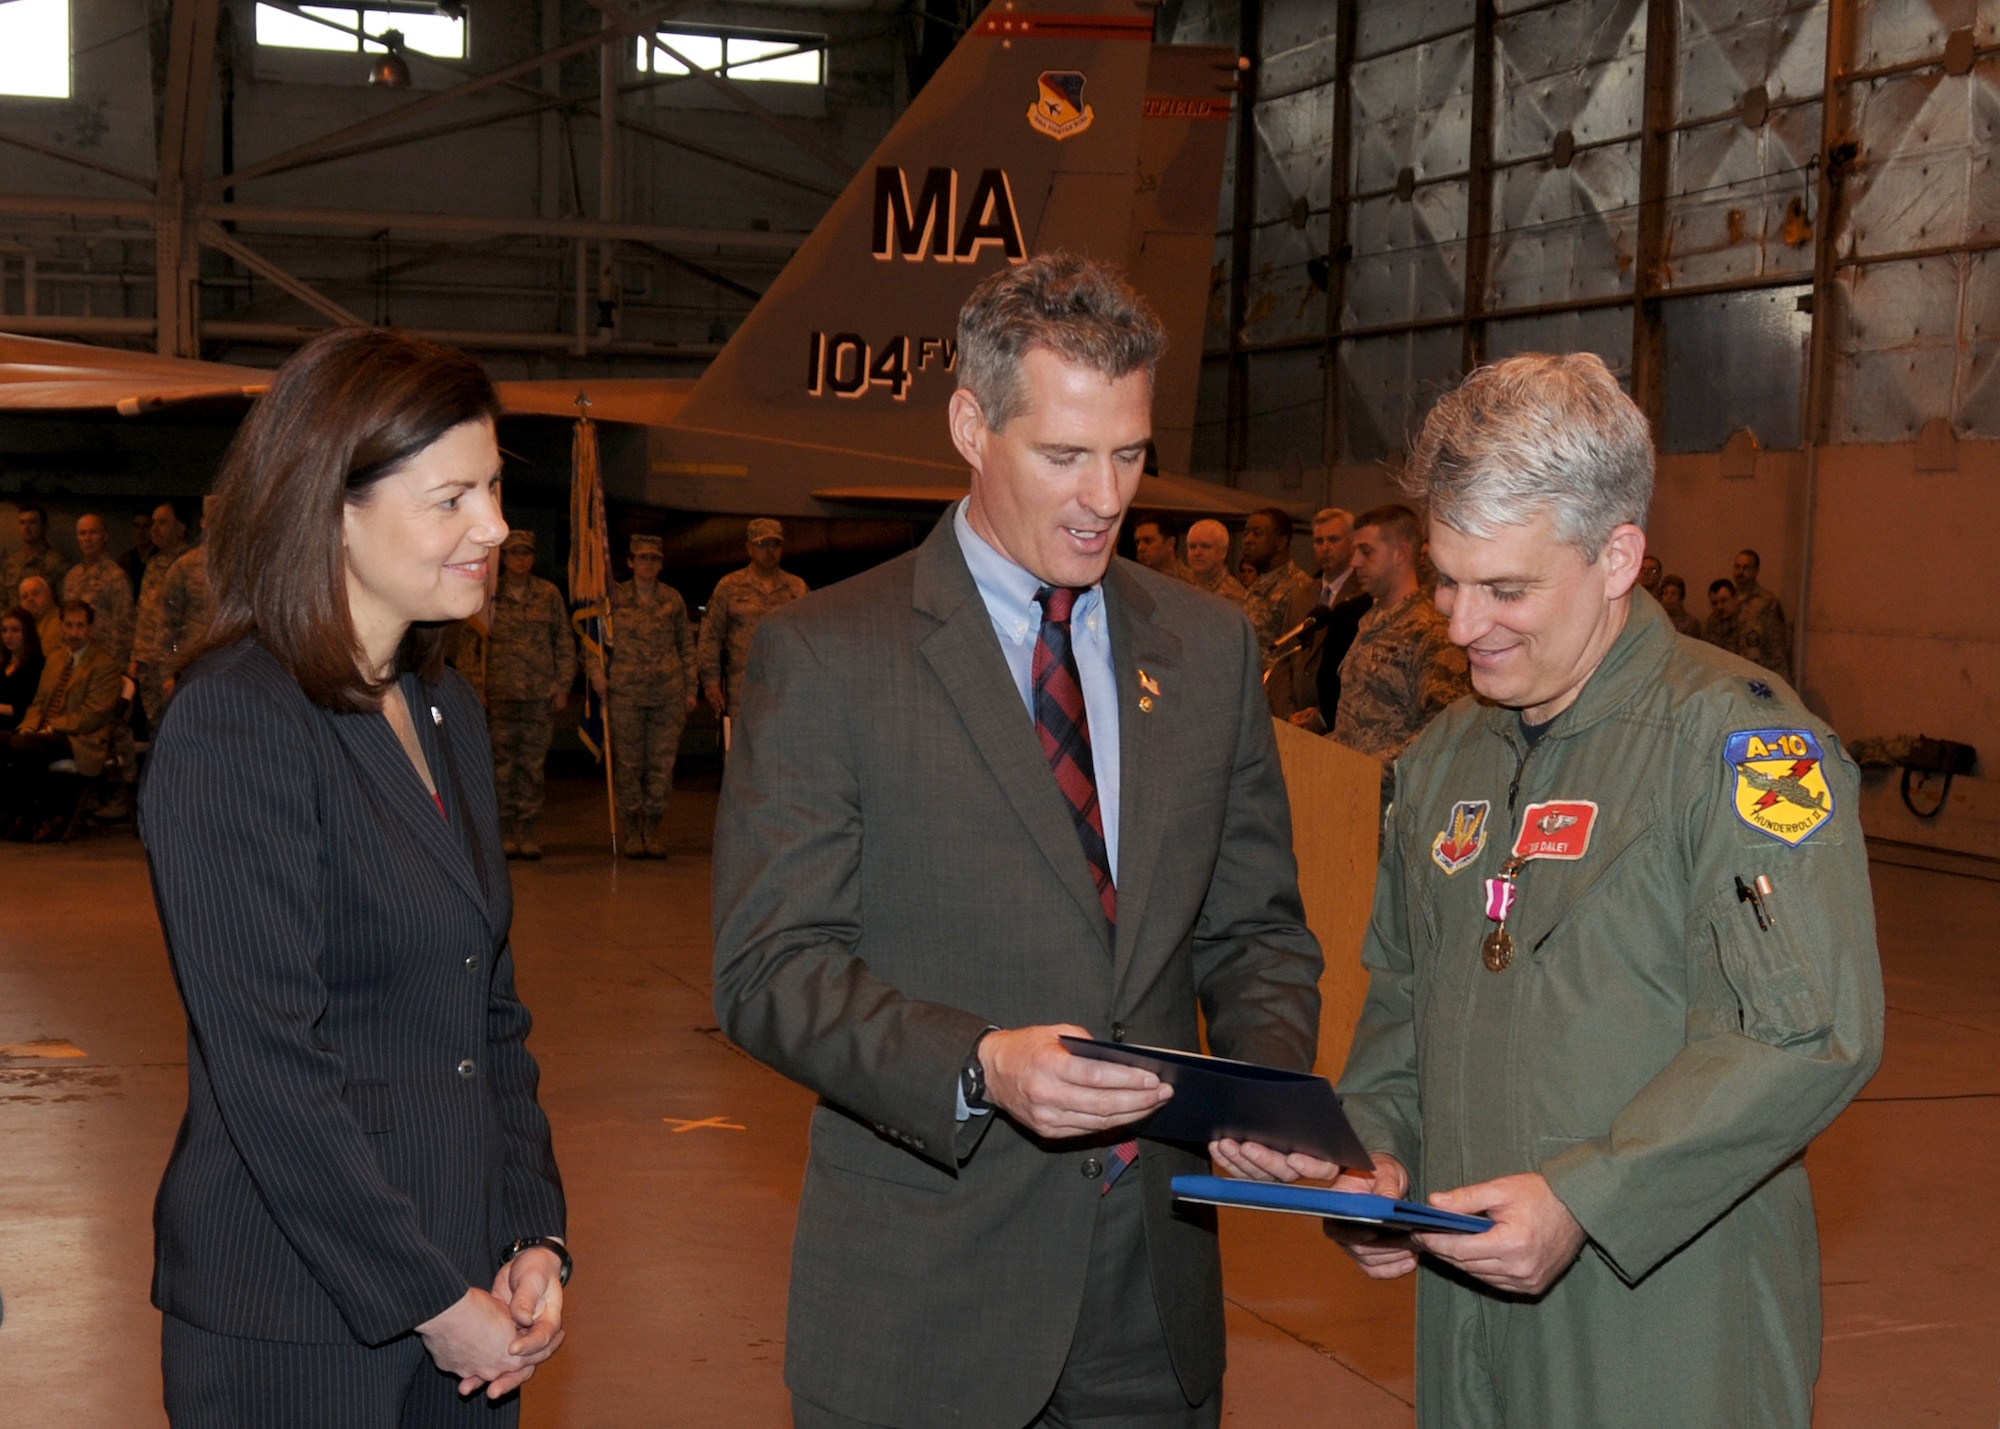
(373, 746)
(1138, 644)
(964, 654)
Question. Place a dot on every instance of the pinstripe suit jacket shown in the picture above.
(895, 869)
(362, 1135)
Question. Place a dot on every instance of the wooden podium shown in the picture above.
(1336, 799)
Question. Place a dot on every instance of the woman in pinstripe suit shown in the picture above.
(361, 1223)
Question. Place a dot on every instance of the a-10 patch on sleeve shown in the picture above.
(1781, 787)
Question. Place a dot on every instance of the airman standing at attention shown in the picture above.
(1763, 633)
(148, 666)
(1267, 550)
(1208, 560)
(648, 693)
(742, 599)
(37, 557)
(530, 665)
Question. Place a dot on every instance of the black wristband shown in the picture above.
(529, 1242)
(972, 1077)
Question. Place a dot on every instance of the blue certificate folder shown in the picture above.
(1356, 1206)
(1216, 1098)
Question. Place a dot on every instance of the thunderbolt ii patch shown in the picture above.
(1781, 787)
(1463, 837)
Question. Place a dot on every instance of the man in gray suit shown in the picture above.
(998, 790)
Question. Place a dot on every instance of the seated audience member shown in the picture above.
(70, 719)
(1208, 560)
(1673, 600)
(21, 648)
(38, 598)
(1402, 669)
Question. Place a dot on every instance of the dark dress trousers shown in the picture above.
(896, 870)
(362, 1137)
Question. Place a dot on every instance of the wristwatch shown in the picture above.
(972, 1077)
(529, 1242)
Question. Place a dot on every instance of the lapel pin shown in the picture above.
(1147, 683)
(1145, 704)
(437, 715)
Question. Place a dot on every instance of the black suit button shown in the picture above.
(467, 1068)
(1117, 1032)
(472, 962)
(1092, 1168)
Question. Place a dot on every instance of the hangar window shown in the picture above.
(772, 57)
(424, 30)
(34, 48)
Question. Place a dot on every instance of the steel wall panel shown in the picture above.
(1287, 408)
(1413, 109)
(1284, 302)
(1215, 333)
(1563, 234)
(1741, 204)
(1384, 25)
(1890, 32)
(1298, 45)
(1211, 418)
(1206, 22)
(1409, 258)
(1294, 157)
(1734, 360)
(1578, 66)
(1604, 331)
(1728, 47)
(1896, 330)
(1926, 176)
(1387, 387)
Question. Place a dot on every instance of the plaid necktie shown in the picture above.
(52, 706)
(1065, 733)
(1064, 728)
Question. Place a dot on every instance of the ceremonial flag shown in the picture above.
(589, 573)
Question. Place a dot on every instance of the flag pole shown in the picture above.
(591, 539)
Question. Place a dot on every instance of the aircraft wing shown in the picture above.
(42, 375)
(644, 401)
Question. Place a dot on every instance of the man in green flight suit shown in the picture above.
(1622, 958)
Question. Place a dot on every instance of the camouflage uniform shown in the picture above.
(1763, 635)
(646, 701)
(1268, 602)
(1220, 584)
(738, 604)
(530, 656)
(1398, 675)
(169, 629)
(147, 651)
(1178, 570)
(52, 565)
(105, 590)
(466, 653)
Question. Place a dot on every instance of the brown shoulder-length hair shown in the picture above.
(347, 410)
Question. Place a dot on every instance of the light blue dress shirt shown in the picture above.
(1009, 593)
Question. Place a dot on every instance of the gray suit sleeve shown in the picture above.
(791, 985)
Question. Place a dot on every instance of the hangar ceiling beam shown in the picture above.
(190, 81)
(481, 225)
(623, 28)
(51, 151)
(1649, 276)
(214, 237)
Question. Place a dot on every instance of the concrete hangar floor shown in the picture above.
(683, 1157)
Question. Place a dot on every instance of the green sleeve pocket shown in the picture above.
(1780, 997)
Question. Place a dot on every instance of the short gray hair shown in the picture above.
(1535, 433)
(1079, 309)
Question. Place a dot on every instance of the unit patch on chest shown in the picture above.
(1463, 837)
(1781, 787)
(1559, 829)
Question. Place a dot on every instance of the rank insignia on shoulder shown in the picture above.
(1781, 787)
(1761, 690)
(1559, 829)
(1463, 837)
